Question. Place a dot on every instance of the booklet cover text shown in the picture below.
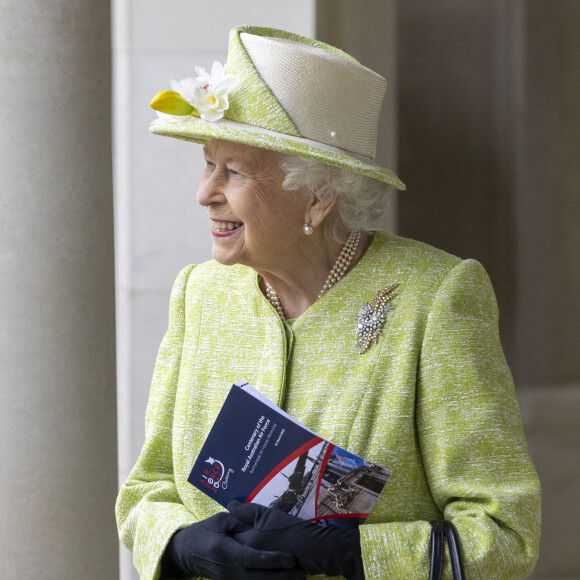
(256, 452)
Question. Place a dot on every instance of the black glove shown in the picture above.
(318, 549)
(208, 549)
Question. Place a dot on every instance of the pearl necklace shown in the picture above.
(339, 269)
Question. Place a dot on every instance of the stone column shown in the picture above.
(489, 129)
(57, 339)
(547, 246)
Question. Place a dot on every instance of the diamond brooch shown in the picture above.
(371, 317)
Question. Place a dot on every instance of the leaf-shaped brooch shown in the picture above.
(371, 317)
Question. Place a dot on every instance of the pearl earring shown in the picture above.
(307, 229)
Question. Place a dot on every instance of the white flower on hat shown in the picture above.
(211, 94)
(204, 96)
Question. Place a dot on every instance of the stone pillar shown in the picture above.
(57, 339)
(489, 148)
(547, 202)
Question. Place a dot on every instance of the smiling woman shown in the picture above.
(255, 222)
(290, 190)
(243, 184)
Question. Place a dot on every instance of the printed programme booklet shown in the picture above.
(256, 452)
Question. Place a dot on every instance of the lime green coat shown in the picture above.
(433, 401)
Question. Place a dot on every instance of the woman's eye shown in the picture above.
(233, 171)
(209, 164)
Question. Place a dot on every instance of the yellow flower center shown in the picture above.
(211, 100)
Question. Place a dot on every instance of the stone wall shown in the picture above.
(159, 226)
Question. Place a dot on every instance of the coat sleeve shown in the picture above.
(472, 444)
(149, 510)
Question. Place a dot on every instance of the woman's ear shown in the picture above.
(317, 211)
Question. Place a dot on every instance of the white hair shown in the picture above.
(359, 200)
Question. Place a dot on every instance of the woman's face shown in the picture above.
(254, 221)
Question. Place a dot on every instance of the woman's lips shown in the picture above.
(225, 228)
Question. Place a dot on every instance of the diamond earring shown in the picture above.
(307, 229)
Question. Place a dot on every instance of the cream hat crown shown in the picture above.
(292, 94)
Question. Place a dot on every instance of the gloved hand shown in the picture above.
(318, 549)
(208, 549)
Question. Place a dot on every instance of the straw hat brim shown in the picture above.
(199, 131)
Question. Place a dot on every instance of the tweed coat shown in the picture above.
(433, 401)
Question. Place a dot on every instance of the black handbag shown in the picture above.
(441, 531)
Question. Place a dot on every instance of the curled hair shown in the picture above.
(359, 200)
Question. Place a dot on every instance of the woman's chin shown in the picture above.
(224, 257)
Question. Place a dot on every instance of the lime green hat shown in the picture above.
(283, 92)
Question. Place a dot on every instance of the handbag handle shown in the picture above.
(454, 551)
(437, 548)
(441, 530)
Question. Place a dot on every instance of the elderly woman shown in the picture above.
(290, 190)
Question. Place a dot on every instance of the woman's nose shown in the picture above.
(209, 191)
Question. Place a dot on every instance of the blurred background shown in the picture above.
(481, 121)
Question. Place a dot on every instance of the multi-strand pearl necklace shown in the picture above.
(339, 269)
